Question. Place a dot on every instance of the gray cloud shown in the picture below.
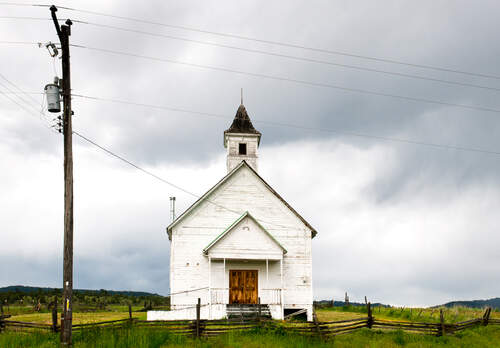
(372, 201)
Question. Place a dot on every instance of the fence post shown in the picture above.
(130, 311)
(370, 316)
(316, 324)
(198, 318)
(54, 317)
(1, 317)
(260, 311)
(486, 316)
(442, 330)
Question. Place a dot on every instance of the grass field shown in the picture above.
(115, 312)
(451, 315)
(148, 337)
(139, 338)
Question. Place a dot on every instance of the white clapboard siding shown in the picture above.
(242, 191)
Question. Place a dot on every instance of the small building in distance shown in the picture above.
(239, 243)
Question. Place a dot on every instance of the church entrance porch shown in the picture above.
(245, 264)
(245, 282)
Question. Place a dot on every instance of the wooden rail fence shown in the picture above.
(207, 328)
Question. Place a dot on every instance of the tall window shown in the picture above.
(243, 149)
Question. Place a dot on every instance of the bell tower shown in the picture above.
(241, 140)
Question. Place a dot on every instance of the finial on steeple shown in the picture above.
(241, 96)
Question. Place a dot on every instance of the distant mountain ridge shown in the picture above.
(492, 302)
(36, 289)
(342, 303)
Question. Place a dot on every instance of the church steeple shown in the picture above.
(241, 140)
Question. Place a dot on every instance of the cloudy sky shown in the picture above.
(402, 223)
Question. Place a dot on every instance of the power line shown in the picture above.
(270, 42)
(121, 158)
(279, 124)
(118, 156)
(19, 42)
(33, 93)
(284, 44)
(109, 152)
(22, 106)
(286, 79)
(133, 164)
(23, 100)
(271, 123)
(304, 59)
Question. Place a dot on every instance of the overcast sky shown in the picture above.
(401, 223)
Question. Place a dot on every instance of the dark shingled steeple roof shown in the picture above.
(242, 123)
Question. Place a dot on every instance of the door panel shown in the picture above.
(243, 286)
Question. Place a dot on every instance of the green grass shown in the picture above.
(275, 337)
(430, 315)
(113, 312)
(151, 338)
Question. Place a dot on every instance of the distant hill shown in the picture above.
(34, 289)
(492, 302)
(342, 304)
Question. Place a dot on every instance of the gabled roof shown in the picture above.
(242, 123)
(222, 181)
(233, 225)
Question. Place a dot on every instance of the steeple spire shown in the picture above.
(241, 139)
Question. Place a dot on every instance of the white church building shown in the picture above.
(240, 243)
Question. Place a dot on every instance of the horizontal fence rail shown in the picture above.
(208, 328)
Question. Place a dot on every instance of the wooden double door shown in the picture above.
(243, 286)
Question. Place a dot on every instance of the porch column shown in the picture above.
(224, 284)
(282, 289)
(209, 287)
(267, 273)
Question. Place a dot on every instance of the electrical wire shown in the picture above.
(286, 79)
(121, 158)
(23, 107)
(288, 125)
(304, 59)
(303, 82)
(109, 152)
(270, 42)
(22, 99)
(19, 42)
(284, 44)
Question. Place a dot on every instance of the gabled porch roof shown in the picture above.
(247, 249)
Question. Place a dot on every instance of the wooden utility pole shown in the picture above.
(67, 316)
